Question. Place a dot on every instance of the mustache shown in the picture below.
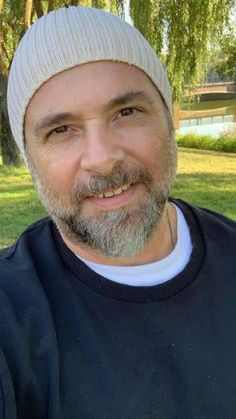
(116, 179)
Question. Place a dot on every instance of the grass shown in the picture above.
(19, 205)
(205, 178)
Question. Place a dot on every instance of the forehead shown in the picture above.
(89, 85)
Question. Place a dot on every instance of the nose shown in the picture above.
(102, 151)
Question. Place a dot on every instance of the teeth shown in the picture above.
(108, 194)
(125, 187)
(117, 191)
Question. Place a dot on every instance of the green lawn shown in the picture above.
(204, 178)
(207, 179)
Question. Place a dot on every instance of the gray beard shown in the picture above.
(121, 233)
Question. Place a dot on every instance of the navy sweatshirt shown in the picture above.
(74, 345)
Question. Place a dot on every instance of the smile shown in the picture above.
(115, 192)
(115, 198)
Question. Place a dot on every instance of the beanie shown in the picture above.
(68, 37)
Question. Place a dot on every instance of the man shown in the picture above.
(122, 303)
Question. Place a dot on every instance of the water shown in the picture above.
(208, 118)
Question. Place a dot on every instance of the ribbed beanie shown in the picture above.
(68, 37)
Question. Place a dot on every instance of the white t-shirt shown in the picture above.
(151, 273)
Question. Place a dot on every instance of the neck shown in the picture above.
(159, 246)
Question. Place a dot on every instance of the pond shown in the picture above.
(208, 117)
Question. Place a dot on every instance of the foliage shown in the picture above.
(226, 143)
(148, 17)
(185, 28)
(229, 133)
(178, 30)
(114, 6)
(16, 16)
(227, 64)
(10, 30)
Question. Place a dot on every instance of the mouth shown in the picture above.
(114, 192)
(114, 198)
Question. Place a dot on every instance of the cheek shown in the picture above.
(155, 152)
(57, 161)
(57, 174)
(145, 145)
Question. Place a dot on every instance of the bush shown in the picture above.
(229, 134)
(226, 142)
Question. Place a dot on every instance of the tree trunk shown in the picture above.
(38, 8)
(27, 11)
(9, 150)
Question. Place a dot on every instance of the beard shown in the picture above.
(119, 233)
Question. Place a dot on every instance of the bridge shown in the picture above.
(224, 87)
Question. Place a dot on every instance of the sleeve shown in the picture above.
(7, 396)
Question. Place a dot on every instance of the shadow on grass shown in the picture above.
(14, 189)
(20, 204)
(16, 216)
(213, 191)
(217, 179)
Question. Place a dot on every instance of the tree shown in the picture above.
(179, 31)
(16, 16)
(227, 59)
(9, 151)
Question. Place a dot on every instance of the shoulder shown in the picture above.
(25, 312)
(206, 218)
(217, 231)
(21, 286)
(18, 258)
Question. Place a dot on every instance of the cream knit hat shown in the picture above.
(68, 37)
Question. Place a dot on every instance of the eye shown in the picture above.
(60, 130)
(127, 112)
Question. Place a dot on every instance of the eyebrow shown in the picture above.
(53, 120)
(128, 97)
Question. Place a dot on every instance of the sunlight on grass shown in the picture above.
(196, 161)
(207, 179)
(19, 205)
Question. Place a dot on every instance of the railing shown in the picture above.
(215, 79)
(219, 83)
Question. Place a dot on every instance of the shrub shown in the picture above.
(226, 142)
(229, 134)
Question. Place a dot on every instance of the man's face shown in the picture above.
(102, 155)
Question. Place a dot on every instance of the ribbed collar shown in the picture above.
(140, 294)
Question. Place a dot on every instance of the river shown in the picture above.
(208, 117)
